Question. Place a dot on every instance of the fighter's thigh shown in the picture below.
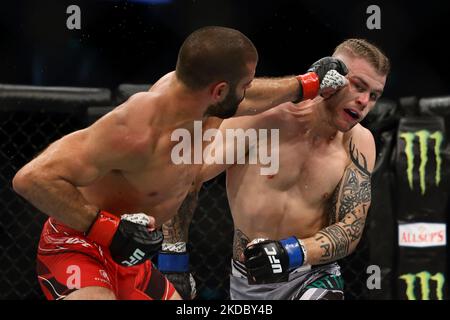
(149, 284)
(65, 274)
(91, 293)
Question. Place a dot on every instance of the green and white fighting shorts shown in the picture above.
(321, 282)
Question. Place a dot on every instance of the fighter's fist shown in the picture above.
(331, 73)
(132, 238)
(324, 77)
(269, 261)
(332, 82)
(323, 66)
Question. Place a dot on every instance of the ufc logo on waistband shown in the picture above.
(135, 258)
(274, 262)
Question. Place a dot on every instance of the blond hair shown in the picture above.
(362, 48)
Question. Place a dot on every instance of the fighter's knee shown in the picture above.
(91, 293)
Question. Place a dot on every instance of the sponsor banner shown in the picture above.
(421, 235)
(426, 140)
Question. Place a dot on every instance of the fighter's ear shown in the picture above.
(219, 91)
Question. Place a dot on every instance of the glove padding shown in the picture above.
(331, 73)
(333, 80)
(270, 261)
(130, 238)
(323, 66)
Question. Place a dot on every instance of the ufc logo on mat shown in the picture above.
(274, 262)
(135, 258)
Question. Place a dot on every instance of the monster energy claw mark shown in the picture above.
(424, 279)
(409, 152)
(438, 138)
(423, 137)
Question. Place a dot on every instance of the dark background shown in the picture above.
(123, 42)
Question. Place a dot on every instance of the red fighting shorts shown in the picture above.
(68, 261)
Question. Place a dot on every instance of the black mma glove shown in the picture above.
(270, 261)
(129, 238)
(325, 76)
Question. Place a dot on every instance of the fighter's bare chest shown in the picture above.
(161, 175)
(312, 171)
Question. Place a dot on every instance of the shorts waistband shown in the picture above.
(238, 269)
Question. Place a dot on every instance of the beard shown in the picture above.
(225, 109)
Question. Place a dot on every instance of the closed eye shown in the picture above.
(362, 86)
(358, 86)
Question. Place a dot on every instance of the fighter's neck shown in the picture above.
(322, 129)
(181, 106)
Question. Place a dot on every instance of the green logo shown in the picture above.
(423, 136)
(424, 279)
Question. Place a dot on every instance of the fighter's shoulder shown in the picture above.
(140, 108)
(362, 136)
(142, 98)
(361, 146)
(162, 82)
(127, 127)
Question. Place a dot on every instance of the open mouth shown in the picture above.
(352, 113)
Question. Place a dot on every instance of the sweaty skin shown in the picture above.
(122, 163)
(297, 200)
(321, 192)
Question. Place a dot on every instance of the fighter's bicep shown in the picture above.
(352, 195)
(357, 185)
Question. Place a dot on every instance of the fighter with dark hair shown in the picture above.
(108, 188)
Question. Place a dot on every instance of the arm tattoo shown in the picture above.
(177, 228)
(355, 226)
(347, 209)
(240, 241)
(354, 156)
(334, 241)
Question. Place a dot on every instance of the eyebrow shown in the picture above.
(378, 91)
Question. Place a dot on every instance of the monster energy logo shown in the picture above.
(423, 136)
(424, 279)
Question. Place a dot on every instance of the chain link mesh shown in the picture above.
(24, 134)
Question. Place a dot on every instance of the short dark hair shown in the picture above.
(214, 54)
